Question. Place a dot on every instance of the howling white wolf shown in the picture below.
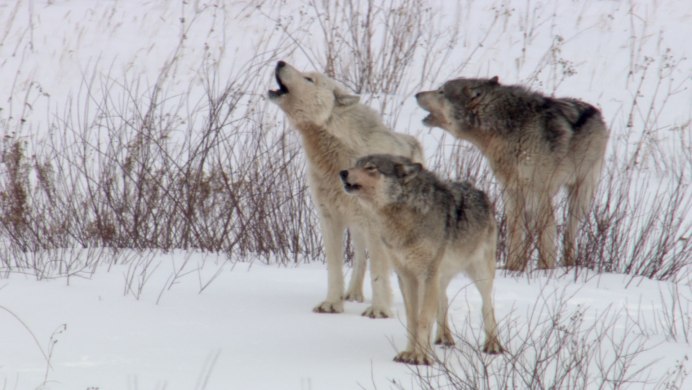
(336, 129)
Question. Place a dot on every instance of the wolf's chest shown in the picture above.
(326, 157)
(326, 154)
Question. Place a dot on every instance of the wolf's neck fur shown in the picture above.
(397, 221)
(502, 113)
(326, 153)
(490, 127)
(481, 141)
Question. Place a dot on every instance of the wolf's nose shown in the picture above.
(418, 95)
(280, 64)
(343, 174)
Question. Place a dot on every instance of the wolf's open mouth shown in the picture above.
(430, 119)
(351, 187)
(282, 87)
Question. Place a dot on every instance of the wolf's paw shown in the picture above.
(354, 296)
(492, 346)
(377, 312)
(444, 339)
(329, 307)
(413, 357)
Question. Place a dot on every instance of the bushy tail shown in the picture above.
(577, 112)
(593, 137)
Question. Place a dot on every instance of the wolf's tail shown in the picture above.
(577, 112)
(591, 139)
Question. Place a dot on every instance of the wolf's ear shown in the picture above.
(494, 81)
(344, 98)
(407, 171)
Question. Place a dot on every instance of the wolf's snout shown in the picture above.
(348, 187)
(282, 90)
(418, 95)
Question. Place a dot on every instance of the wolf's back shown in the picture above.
(577, 112)
(472, 206)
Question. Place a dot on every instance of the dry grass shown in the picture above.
(128, 164)
(554, 345)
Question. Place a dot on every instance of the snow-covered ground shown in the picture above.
(252, 328)
(186, 320)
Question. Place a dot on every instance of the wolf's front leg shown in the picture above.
(380, 267)
(409, 290)
(483, 277)
(417, 351)
(333, 231)
(444, 334)
(518, 240)
(427, 309)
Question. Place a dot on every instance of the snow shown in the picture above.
(253, 328)
(255, 323)
(186, 320)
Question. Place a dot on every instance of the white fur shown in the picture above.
(336, 130)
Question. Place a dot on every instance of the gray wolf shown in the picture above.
(336, 129)
(535, 145)
(434, 230)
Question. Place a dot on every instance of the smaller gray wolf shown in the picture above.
(434, 230)
(535, 145)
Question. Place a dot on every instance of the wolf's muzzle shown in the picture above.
(282, 87)
(348, 187)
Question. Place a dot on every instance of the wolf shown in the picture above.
(336, 129)
(434, 230)
(535, 145)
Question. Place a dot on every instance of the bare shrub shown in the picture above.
(373, 55)
(129, 164)
(675, 316)
(48, 356)
(554, 345)
(135, 167)
(14, 194)
(206, 181)
(637, 232)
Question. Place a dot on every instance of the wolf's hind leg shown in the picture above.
(333, 231)
(355, 287)
(483, 275)
(546, 230)
(444, 334)
(591, 152)
(380, 266)
(580, 195)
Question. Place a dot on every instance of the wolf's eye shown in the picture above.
(310, 79)
(472, 93)
(370, 168)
